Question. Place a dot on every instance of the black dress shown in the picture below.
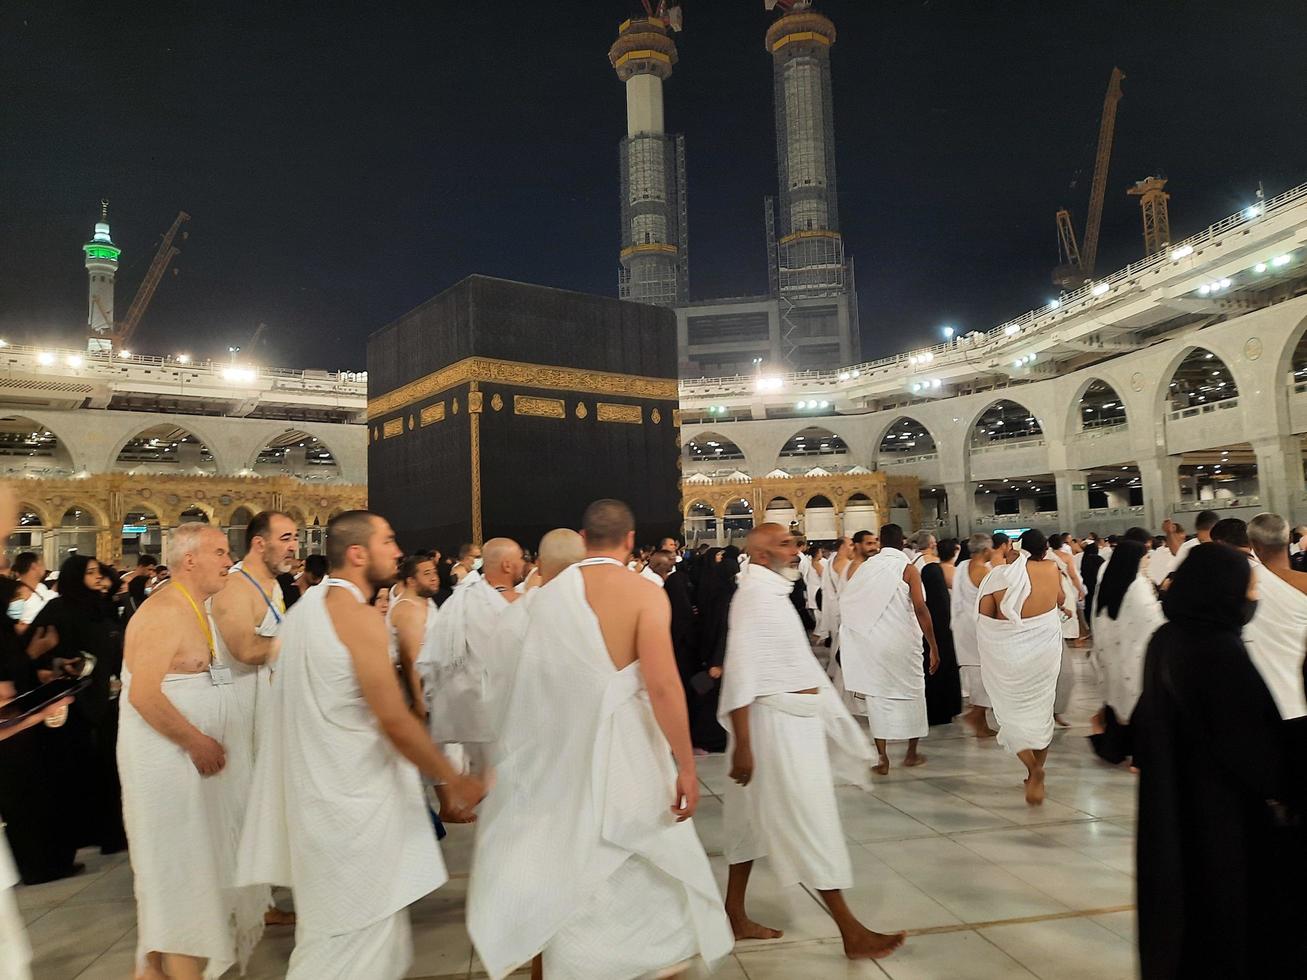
(717, 589)
(944, 687)
(1219, 878)
(92, 727)
(34, 804)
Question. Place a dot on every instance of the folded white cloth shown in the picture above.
(336, 812)
(584, 785)
(380, 951)
(963, 600)
(184, 829)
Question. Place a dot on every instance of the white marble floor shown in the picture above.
(986, 886)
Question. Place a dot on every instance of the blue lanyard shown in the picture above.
(275, 615)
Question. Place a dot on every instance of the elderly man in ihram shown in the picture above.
(182, 803)
(883, 617)
(337, 810)
(1019, 638)
(457, 695)
(585, 852)
(790, 735)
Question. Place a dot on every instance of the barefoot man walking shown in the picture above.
(789, 732)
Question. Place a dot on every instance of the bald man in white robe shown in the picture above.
(790, 735)
(883, 617)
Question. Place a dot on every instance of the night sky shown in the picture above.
(344, 162)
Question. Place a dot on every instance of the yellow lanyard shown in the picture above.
(204, 620)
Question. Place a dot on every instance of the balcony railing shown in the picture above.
(1223, 503)
(1206, 408)
(1001, 445)
(1018, 330)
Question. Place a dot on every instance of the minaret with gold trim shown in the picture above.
(811, 249)
(655, 268)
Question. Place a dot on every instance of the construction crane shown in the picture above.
(125, 327)
(1076, 262)
(1157, 219)
(668, 11)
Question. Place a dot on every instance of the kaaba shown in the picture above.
(501, 409)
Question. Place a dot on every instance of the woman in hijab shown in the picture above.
(717, 588)
(1127, 616)
(84, 619)
(944, 687)
(1215, 877)
(1091, 566)
(34, 806)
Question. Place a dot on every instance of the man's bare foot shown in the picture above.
(914, 759)
(1035, 788)
(746, 928)
(1061, 722)
(276, 917)
(881, 768)
(863, 944)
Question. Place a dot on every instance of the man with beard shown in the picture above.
(337, 795)
(412, 619)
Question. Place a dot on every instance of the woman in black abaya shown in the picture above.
(1217, 880)
(944, 687)
(716, 589)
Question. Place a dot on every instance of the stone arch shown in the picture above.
(170, 436)
(286, 440)
(890, 438)
(183, 511)
(24, 436)
(1189, 360)
(42, 511)
(814, 442)
(1291, 366)
(850, 431)
(1008, 411)
(97, 515)
(1090, 388)
(706, 445)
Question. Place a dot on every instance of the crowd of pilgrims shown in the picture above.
(1196, 643)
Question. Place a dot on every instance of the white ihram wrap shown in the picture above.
(336, 812)
(458, 698)
(1120, 644)
(964, 599)
(1019, 660)
(801, 743)
(577, 852)
(185, 829)
(880, 647)
(1276, 639)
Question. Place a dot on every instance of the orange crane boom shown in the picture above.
(1106, 132)
(127, 326)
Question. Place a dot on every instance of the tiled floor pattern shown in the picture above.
(986, 886)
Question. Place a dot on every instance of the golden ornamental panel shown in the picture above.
(543, 408)
(655, 416)
(392, 428)
(495, 371)
(628, 414)
(581, 410)
(496, 402)
(475, 401)
(432, 414)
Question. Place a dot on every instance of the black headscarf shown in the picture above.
(74, 590)
(1208, 590)
(1121, 572)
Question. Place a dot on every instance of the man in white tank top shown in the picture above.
(355, 841)
(248, 614)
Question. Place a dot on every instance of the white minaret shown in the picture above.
(101, 267)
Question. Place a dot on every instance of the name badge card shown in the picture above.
(220, 674)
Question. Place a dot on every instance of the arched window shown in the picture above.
(1200, 379)
(1005, 421)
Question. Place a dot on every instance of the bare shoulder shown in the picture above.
(407, 613)
(156, 624)
(357, 624)
(1298, 580)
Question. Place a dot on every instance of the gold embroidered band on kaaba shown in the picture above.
(494, 371)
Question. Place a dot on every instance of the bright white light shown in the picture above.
(1225, 283)
(824, 405)
(1252, 212)
(1099, 289)
(856, 373)
(1018, 362)
(4, 343)
(800, 405)
(916, 387)
(935, 382)
(1204, 289)
(773, 383)
(242, 375)
(183, 358)
(844, 375)
(1010, 329)
(45, 358)
(1184, 251)
(948, 333)
(74, 361)
(1259, 267)
(124, 354)
(1053, 304)
(1280, 260)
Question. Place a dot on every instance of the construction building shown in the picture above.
(808, 318)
